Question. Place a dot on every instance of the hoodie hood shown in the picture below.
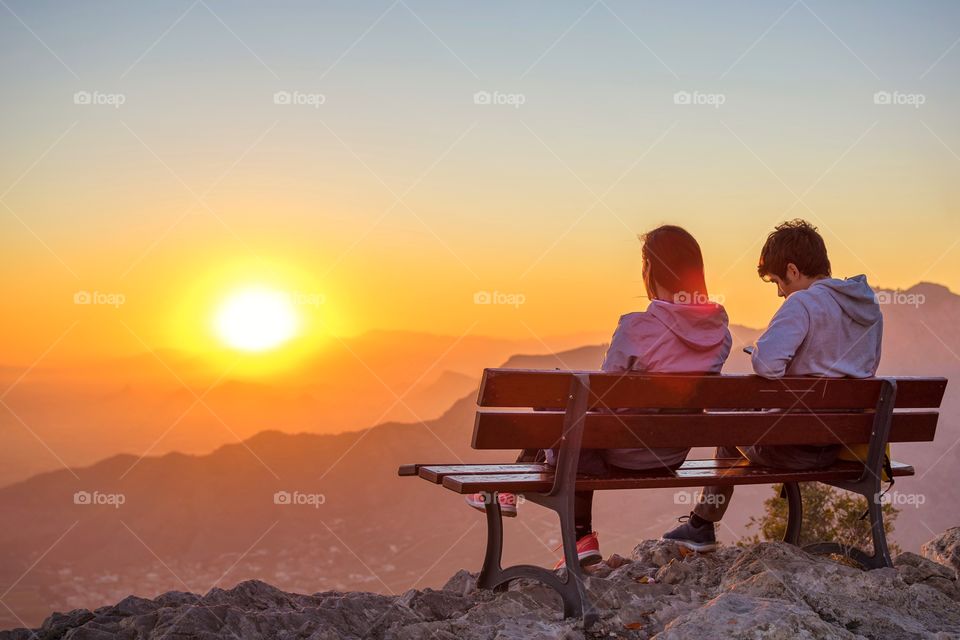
(700, 327)
(855, 298)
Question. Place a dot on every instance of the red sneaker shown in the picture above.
(588, 550)
(508, 503)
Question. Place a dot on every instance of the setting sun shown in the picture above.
(256, 320)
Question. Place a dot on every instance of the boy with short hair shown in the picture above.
(825, 327)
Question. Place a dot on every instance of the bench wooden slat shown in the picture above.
(548, 389)
(436, 473)
(542, 429)
(695, 477)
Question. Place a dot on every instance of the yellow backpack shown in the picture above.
(858, 453)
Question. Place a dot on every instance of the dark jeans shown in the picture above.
(712, 502)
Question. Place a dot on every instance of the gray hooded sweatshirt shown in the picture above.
(833, 328)
(666, 338)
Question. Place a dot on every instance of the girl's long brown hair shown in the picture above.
(676, 264)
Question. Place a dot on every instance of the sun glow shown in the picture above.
(259, 318)
(256, 320)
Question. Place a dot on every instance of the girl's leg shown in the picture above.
(583, 512)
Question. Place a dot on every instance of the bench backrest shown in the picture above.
(524, 409)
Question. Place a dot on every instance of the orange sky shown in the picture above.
(400, 197)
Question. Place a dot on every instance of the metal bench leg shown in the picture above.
(881, 554)
(869, 487)
(494, 554)
(791, 491)
(572, 591)
(576, 602)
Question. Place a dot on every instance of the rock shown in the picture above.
(770, 590)
(176, 599)
(435, 605)
(922, 567)
(875, 604)
(914, 569)
(59, 623)
(254, 595)
(616, 561)
(698, 569)
(944, 549)
(655, 552)
(129, 606)
(608, 566)
(462, 582)
(736, 616)
(634, 571)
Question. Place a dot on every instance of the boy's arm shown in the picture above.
(779, 343)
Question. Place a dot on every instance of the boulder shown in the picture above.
(944, 549)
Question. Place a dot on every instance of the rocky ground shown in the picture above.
(770, 590)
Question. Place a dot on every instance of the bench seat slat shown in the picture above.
(542, 429)
(436, 473)
(693, 477)
(548, 389)
(408, 469)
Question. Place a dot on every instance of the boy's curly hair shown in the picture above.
(795, 241)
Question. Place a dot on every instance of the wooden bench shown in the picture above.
(569, 410)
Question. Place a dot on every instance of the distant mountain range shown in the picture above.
(311, 512)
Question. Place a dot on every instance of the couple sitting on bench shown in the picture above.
(826, 327)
